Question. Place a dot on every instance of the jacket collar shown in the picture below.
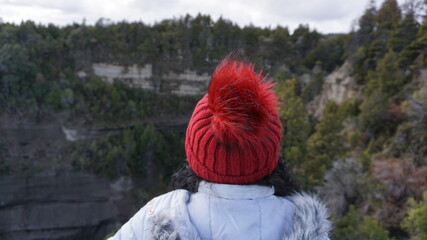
(310, 221)
(231, 191)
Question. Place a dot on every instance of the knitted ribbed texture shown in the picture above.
(229, 143)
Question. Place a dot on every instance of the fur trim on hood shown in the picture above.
(310, 220)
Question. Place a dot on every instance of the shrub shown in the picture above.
(416, 221)
(354, 226)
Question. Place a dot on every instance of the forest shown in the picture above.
(366, 156)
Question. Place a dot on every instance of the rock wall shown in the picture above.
(44, 198)
(186, 82)
(62, 205)
(36, 145)
(422, 78)
(338, 86)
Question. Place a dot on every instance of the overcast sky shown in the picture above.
(327, 16)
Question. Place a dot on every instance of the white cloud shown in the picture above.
(324, 15)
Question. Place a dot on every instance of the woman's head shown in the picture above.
(234, 132)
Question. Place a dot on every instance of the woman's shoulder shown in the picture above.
(156, 219)
(169, 199)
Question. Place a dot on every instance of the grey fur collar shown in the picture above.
(310, 222)
(164, 228)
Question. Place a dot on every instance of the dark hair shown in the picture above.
(281, 179)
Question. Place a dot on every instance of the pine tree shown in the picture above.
(373, 112)
(325, 145)
(367, 24)
(295, 123)
(282, 44)
(389, 15)
(405, 33)
(388, 78)
(390, 75)
(415, 48)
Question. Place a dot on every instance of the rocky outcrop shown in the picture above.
(134, 76)
(422, 77)
(185, 82)
(338, 86)
(62, 205)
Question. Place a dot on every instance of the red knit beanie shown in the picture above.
(234, 133)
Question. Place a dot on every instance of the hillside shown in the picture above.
(106, 106)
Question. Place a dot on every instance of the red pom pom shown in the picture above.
(241, 100)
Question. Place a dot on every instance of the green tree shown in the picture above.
(54, 97)
(354, 226)
(419, 46)
(295, 124)
(16, 71)
(367, 25)
(389, 15)
(416, 221)
(325, 145)
(282, 43)
(405, 33)
(388, 18)
(304, 39)
(373, 112)
(387, 77)
(313, 88)
(329, 51)
(148, 149)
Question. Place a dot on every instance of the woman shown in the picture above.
(233, 186)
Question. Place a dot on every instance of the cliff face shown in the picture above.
(186, 82)
(44, 198)
(34, 145)
(63, 205)
(338, 86)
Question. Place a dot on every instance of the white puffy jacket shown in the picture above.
(224, 211)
